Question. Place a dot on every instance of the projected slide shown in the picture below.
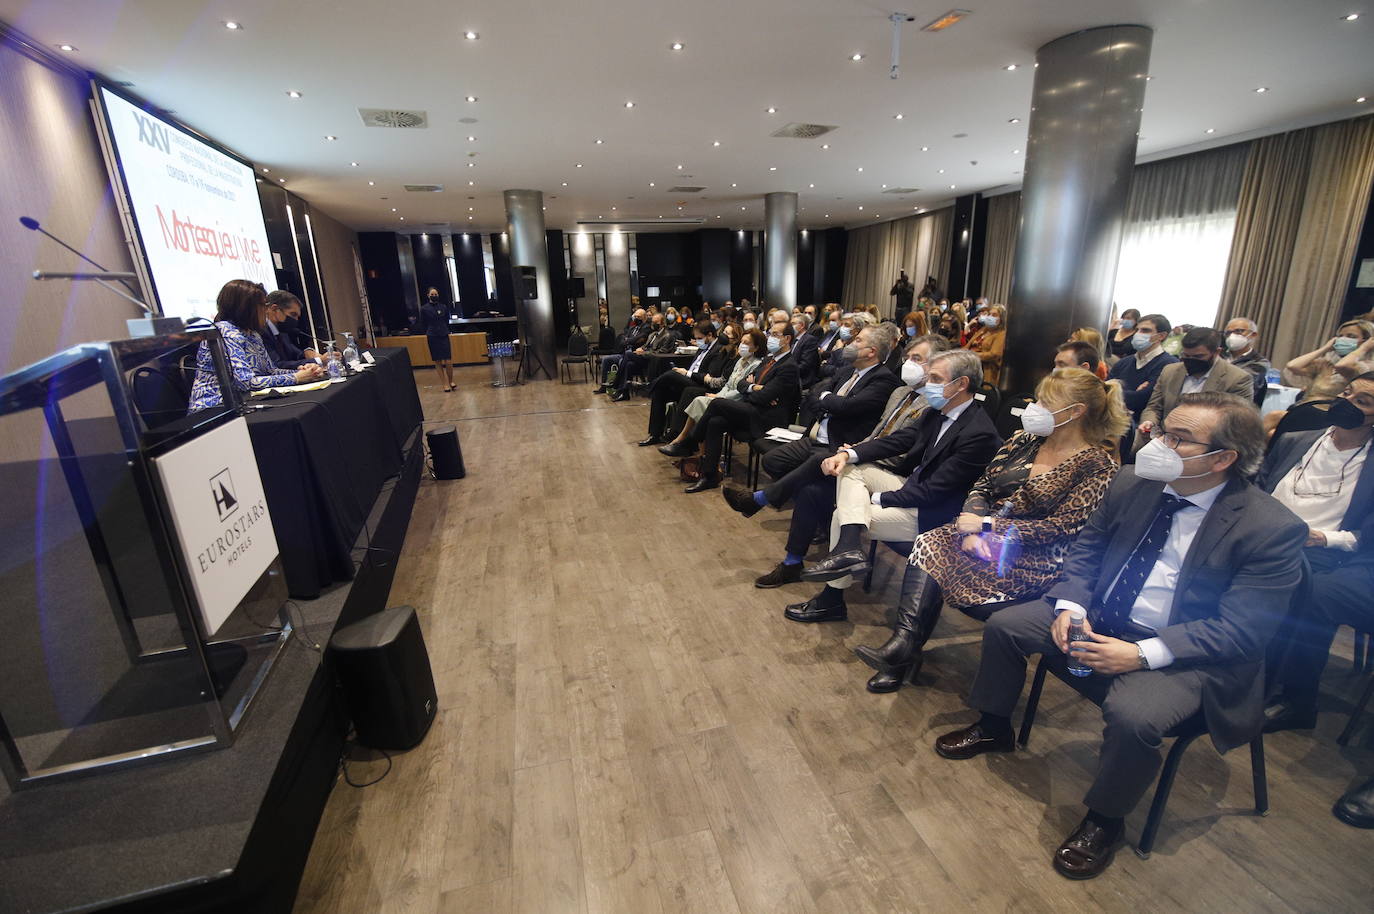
(196, 208)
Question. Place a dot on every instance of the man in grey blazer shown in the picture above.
(1201, 369)
(1185, 571)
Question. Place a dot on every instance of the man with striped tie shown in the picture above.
(1186, 570)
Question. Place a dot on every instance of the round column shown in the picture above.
(529, 248)
(1080, 155)
(780, 250)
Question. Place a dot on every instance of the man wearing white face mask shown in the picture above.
(1138, 374)
(1185, 570)
(1241, 336)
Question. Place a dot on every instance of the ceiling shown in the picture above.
(551, 79)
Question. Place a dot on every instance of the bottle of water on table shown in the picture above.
(332, 365)
(350, 353)
(1076, 619)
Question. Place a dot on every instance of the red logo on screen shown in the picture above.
(184, 234)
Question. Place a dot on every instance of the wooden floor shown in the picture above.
(628, 725)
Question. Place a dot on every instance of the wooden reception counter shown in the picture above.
(468, 348)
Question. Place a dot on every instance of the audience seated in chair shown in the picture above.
(660, 340)
(805, 350)
(1139, 373)
(1242, 335)
(1200, 369)
(1017, 523)
(989, 340)
(768, 398)
(832, 359)
(1326, 478)
(744, 356)
(713, 355)
(633, 337)
(1185, 571)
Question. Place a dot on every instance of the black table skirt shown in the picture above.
(323, 457)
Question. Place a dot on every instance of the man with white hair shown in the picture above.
(1241, 336)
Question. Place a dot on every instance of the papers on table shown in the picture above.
(783, 434)
(296, 388)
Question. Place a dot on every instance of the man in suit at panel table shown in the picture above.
(283, 313)
(1200, 369)
(1185, 571)
(711, 359)
(768, 398)
(928, 469)
(805, 350)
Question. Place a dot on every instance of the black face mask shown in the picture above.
(1345, 414)
(288, 323)
(1197, 366)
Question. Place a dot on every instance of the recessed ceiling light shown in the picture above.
(393, 209)
(1261, 90)
(471, 36)
(1016, 152)
(1009, 67)
(577, 165)
(612, 209)
(942, 171)
(772, 168)
(856, 56)
(266, 170)
(474, 165)
(825, 145)
(734, 185)
(675, 46)
(403, 218)
(951, 187)
(472, 139)
(812, 185)
(884, 187)
(1148, 78)
(861, 168)
(772, 110)
(861, 207)
(679, 168)
(281, 180)
(471, 183)
(741, 207)
(374, 183)
(353, 164)
(471, 98)
(715, 143)
(827, 215)
(651, 184)
(662, 217)
(1360, 101)
(66, 47)
(1014, 120)
(1210, 130)
(877, 215)
(471, 209)
(599, 141)
(1350, 17)
(469, 219)
(898, 117)
(629, 104)
(925, 149)
(232, 26)
(565, 183)
(331, 138)
(292, 93)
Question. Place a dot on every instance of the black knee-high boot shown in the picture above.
(918, 609)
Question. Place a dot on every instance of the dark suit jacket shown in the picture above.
(1224, 378)
(1234, 589)
(715, 364)
(805, 350)
(852, 416)
(1285, 453)
(939, 475)
(776, 402)
(282, 350)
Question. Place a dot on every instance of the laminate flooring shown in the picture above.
(627, 725)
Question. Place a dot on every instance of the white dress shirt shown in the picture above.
(1152, 607)
(1322, 468)
(1143, 358)
(823, 430)
(701, 357)
(1193, 383)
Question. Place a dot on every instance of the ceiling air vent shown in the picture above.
(802, 131)
(901, 190)
(423, 188)
(685, 190)
(392, 117)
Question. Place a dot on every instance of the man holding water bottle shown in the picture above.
(1185, 571)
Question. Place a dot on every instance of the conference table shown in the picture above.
(324, 456)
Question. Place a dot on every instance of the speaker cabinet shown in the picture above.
(384, 668)
(577, 287)
(528, 283)
(445, 453)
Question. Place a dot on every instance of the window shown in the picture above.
(1176, 267)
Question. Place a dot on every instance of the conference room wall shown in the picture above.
(430, 268)
(335, 244)
(51, 169)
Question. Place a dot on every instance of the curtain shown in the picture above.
(1179, 221)
(876, 254)
(999, 247)
(1333, 210)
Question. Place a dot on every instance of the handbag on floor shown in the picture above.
(689, 468)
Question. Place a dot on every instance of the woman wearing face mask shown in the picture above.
(750, 347)
(913, 326)
(434, 320)
(1037, 493)
(1321, 372)
(1120, 334)
(990, 340)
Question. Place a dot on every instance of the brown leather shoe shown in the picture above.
(971, 741)
(1087, 851)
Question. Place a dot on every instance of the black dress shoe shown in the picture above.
(742, 500)
(971, 741)
(893, 678)
(650, 441)
(1287, 715)
(707, 481)
(601, 390)
(818, 609)
(677, 449)
(1088, 851)
(838, 565)
(1357, 807)
(620, 395)
(781, 574)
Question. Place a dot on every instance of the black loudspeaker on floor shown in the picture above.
(445, 453)
(387, 681)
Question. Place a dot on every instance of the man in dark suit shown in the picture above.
(1199, 368)
(279, 337)
(632, 338)
(1185, 571)
(669, 387)
(768, 398)
(805, 350)
(934, 461)
(1326, 478)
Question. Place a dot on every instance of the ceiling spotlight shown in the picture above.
(600, 141)
(812, 186)
(877, 215)
(1016, 152)
(1009, 67)
(856, 57)
(565, 183)
(403, 218)
(827, 215)
(471, 183)
(265, 169)
(331, 138)
(942, 171)
(861, 168)
(290, 93)
(679, 168)
(577, 165)
(772, 168)
(1361, 100)
(861, 208)
(825, 145)
(772, 110)
(374, 183)
(469, 218)
(1210, 130)
(353, 164)
(651, 184)
(612, 209)
(898, 117)
(1013, 120)
(471, 98)
(1350, 17)
(734, 185)
(232, 26)
(471, 36)
(66, 47)
(474, 165)
(1261, 90)
(741, 207)
(925, 149)
(675, 46)
(951, 187)
(715, 143)
(393, 209)
(281, 180)
(473, 139)
(629, 104)
(470, 209)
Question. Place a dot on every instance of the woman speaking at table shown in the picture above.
(241, 316)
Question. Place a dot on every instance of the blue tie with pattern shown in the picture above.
(1115, 612)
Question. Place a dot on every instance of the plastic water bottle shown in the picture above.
(350, 353)
(1273, 378)
(1076, 619)
(332, 365)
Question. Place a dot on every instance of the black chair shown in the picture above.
(1183, 735)
(579, 353)
(899, 548)
(1008, 419)
(1303, 417)
(1363, 663)
(759, 449)
(990, 397)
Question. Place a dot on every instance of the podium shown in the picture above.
(143, 598)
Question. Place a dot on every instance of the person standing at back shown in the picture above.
(434, 320)
(904, 293)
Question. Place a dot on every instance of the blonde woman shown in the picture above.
(1323, 373)
(1018, 521)
(1094, 339)
(990, 340)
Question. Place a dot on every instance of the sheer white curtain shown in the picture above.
(1179, 223)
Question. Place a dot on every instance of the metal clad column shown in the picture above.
(529, 248)
(1085, 112)
(780, 250)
